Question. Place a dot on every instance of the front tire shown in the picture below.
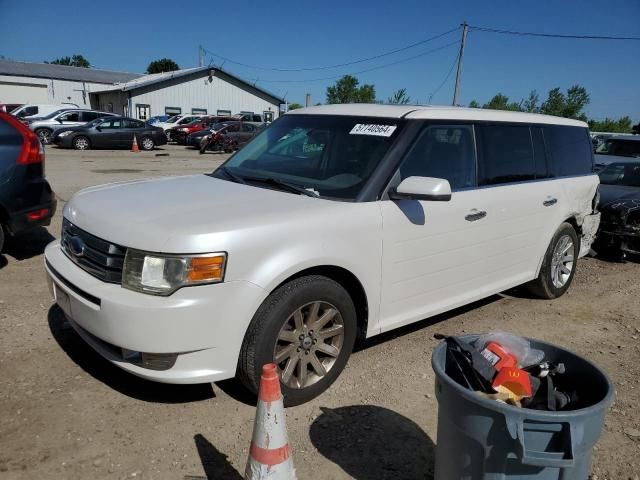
(559, 264)
(307, 327)
(147, 144)
(44, 134)
(81, 143)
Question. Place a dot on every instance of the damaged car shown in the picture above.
(620, 208)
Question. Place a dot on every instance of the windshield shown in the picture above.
(218, 126)
(626, 174)
(619, 147)
(332, 154)
(173, 119)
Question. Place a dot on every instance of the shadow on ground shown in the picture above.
(214, 463)
(102, 370)
(27, 245)
(370, 442)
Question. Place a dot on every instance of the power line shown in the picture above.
(455, 60)
(550, 35)
(338, 65)
(433, 50)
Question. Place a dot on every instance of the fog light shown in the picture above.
(152, 361)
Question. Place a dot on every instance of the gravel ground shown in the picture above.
(66, 413)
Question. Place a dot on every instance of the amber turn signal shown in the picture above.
(206, 269)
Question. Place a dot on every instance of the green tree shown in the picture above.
(294, 106)
(162, 65)
(399, 97)
(347, 90)
(501, 102)
(74, 61)
(622, 125)
(531, 104)
(570, 105)
(474, 104)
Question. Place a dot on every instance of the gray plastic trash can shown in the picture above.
(484, 439)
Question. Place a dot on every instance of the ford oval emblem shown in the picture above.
(76, 245)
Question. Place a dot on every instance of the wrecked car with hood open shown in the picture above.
(620, 208)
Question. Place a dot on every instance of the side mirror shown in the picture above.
(422, 188)
(59, 120)
(99, 128)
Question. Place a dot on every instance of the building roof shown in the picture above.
(64, 72)
(435, 113)
(155, 78)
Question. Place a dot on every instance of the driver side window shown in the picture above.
(443, 151)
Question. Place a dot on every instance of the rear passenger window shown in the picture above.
(569, 149)
(507, 154)
(443, 151)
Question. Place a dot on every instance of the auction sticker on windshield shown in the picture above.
(373, 129)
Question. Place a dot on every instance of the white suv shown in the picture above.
(335, 222)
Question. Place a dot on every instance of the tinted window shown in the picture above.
(27, 112)
(247, 127)
(89, 116)
(443, 151)
(623, 148)
(621, 174)
(129, 123)
(232, 128)
(539, 155)
(569, 149)
(507, 154)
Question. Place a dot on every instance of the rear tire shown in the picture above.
(81, 143)
(559, 264)
(44, 134)
(310, 324)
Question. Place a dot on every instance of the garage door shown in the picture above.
(14, 92)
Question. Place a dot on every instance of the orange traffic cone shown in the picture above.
(134, 145)
(270, 456)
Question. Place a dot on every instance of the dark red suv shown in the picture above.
(26, 199)
(180, 134)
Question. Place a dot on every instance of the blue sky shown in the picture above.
(125, 36)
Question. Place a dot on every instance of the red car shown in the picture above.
(180, 134)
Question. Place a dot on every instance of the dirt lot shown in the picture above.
(66, 413)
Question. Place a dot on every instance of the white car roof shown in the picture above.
(424, 112)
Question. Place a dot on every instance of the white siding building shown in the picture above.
(205, 90)
(22, 82)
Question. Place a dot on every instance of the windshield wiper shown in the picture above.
(233, 176)
(284, 185)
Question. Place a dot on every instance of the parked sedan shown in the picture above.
(45, 126)
(620, 207)
(231, 137)
(113, 133)
(195, 139)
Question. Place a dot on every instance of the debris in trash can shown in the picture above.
(504, 367)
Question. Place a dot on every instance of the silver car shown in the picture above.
(45, 126)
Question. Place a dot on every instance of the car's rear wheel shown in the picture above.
(44, 134)
(559, 264)
(307, 327)
(81, 143)
(146, 143)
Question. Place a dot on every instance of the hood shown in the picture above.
(614, 194)
(191, 214)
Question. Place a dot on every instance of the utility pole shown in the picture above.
(200, 56)
(456, 91)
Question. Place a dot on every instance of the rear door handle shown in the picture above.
(475, 215)
(550, 201)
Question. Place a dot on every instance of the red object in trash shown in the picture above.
(514, 379)
(498, 356)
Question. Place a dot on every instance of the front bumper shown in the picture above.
(198, 329)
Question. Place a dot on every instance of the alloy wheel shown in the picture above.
(147, 144)
(562, 261)
(81, 143)
(309, 344)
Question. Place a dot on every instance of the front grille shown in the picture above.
(98, 257)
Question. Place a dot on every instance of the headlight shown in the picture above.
(159, 274)
(64, 134)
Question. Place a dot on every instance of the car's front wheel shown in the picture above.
(81, 143)
(147, 143)
(559, 264)
(44, 134)
(307, 327)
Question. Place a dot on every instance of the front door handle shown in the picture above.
(475, 215)
(550, 201)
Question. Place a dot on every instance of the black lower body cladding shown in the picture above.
(26, 203)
